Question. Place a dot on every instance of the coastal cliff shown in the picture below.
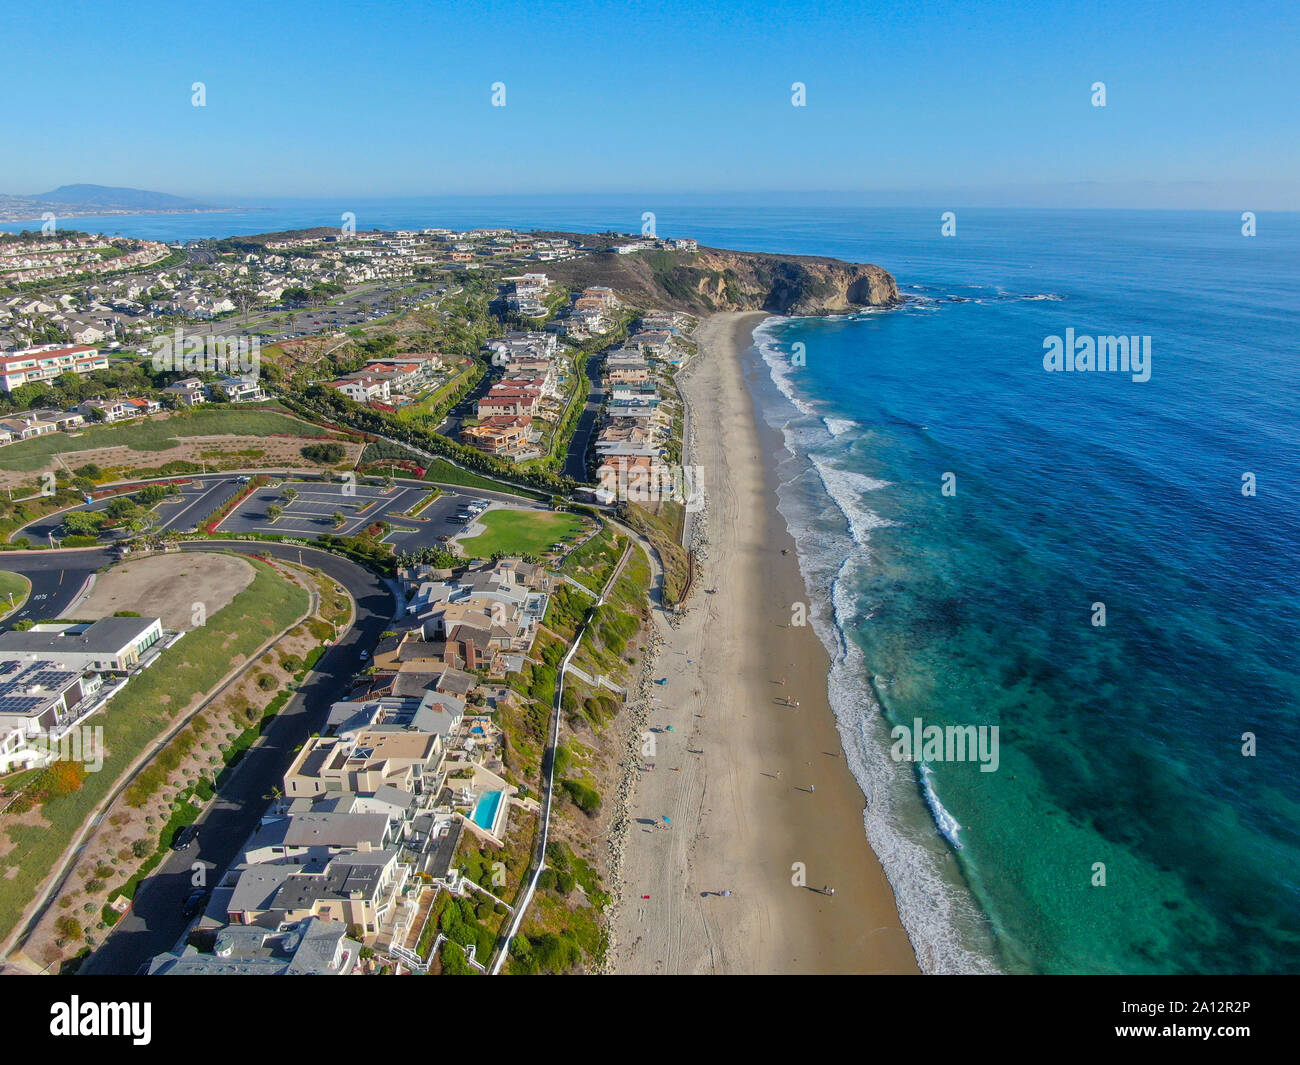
(713, 279)
(783, 284)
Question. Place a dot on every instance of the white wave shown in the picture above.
(778, 363)
(847, 489)
(838, 426)
(946, 928)
(939, 915)
(942, 817)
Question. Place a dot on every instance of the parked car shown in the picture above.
(195, 903)
(185, 838)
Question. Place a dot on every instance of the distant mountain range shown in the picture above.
(68, 200)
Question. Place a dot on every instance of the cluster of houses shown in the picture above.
(593, 313)
(394, 381)
(137, 304)
(56, 256)
(530, 389)
(662, 243)
(527, 295)
(632, 441)
(142, 303)
(55, 675)
(46, 363)
(365, 831)
(42, 420)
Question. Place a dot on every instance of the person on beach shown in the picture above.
(812, 788)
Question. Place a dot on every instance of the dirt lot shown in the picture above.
(218, 452)
(166, 586)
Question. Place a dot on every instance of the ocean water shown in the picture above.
(1120, 746)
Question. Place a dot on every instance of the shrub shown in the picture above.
(585, 797)
(68, 927)
(327, 454)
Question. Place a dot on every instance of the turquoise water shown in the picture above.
(1120, 745)
(485, 810)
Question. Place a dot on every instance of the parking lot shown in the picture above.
(311, 512)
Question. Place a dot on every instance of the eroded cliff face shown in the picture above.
(713, 279)
(787, 284)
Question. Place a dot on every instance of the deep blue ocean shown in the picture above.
(1124, 830)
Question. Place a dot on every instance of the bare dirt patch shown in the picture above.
(167, 586)
(227, 452)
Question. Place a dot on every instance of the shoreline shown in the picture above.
(752, 786)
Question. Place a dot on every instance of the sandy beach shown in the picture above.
(753, 784)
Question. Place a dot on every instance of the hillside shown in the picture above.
(92, 200)
(125, 199)
(716, 280)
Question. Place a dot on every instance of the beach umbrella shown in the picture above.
(671, 729)
(668, 820)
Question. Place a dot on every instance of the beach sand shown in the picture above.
(737, 774)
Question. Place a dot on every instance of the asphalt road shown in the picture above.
(181, 512)
(466, 408)
(575, 463)
(56, 576)
(155, 922)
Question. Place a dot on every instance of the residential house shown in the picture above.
(107, 645)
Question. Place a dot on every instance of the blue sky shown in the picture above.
(905, 102)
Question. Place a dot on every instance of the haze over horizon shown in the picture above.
(914, 107)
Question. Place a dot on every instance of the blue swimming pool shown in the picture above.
(485, 810)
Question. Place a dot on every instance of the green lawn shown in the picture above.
(158, 434)
(520, 532)
(143, 710)
(12, 584)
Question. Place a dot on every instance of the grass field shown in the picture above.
(12, 584)
(520, 532)
(138, 714)
(157, 434)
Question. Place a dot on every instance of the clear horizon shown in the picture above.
(398, 101)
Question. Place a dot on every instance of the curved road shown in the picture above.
(56, 576)
(155, 923)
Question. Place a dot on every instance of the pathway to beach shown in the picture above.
(751, 783)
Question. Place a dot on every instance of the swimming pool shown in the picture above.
(485, 810)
